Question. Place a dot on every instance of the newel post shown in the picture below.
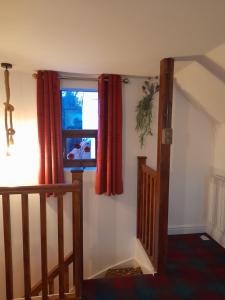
(77, 211)
(141, 161)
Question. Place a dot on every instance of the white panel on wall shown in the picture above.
(216, 209)
(191, 161)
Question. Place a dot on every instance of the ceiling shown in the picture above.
(105, 36)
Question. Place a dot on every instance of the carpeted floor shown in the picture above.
(195, 271)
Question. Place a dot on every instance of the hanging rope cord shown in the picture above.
(9, 108)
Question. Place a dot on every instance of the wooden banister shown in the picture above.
(146, 206)
(141, 162)
(41, 188)
(46, 285)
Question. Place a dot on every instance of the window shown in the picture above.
(80, 127)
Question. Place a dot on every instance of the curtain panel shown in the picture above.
(49, 128)
(109, 154)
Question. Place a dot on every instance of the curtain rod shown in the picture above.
(85, 78)
(68, 76)
(124, 80)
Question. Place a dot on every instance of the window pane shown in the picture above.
(79, 109)
(80, 148)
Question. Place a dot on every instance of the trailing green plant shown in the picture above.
(144, 109)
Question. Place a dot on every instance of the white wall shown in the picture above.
(109, 222)
(191, 161)
(20, 168)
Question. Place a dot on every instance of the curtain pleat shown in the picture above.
(109, 154)
(49, 128)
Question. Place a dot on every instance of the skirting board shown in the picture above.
(142, 259)
(186, 229)
(139, 260)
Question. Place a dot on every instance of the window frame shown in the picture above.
(78, 133)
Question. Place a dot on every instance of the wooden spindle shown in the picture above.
(44, 260)
(155, 211)
(141, 162)
(8, 246)
(61, 247)
(143, 207)
(26, 246)
(148, 210)
(151, 232)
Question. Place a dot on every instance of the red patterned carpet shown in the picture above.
(195, 271)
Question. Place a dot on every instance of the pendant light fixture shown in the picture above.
(9, 108)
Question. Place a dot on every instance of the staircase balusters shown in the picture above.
(61, 246)
(146, 206)
(46, 286)
(8, 246)
(44, 259)
(26, 246)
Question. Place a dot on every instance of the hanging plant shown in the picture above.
(144, 108)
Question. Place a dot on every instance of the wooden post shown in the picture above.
(141, 162)
(163, 158)
(61, 247)
(77, 207)
(26, 246)
(8, 246)
(44, 258)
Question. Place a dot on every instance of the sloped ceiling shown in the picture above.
(203, 83)
(115, 36)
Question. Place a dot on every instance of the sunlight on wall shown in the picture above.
(21, 167)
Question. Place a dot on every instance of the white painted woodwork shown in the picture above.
(216, 209)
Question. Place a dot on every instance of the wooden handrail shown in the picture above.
(41, 188)
(53, 273)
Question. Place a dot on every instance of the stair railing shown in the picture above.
(76, 257)
(147, 183)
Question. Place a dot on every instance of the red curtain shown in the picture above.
(109, 154)
(49, 128)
